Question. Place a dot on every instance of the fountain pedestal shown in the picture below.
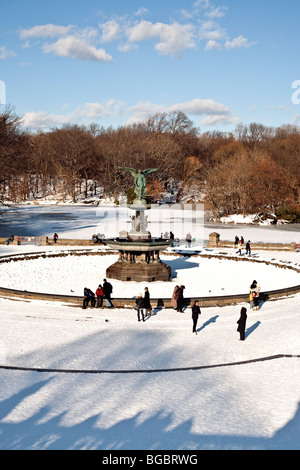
(139, 255)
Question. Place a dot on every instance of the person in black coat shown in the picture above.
(140, 307)
(179, 298)
(107, 291)
(147, 303)
(88, 296)
(242, 323)
(195, 315)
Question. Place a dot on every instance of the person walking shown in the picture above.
(241, 243)
(147, 303)
(172, 239)
(174, 300)
(107, 291)
(242, 323)
(256, 298)
(195, 315)
(179, 298)
(99, 295)
(188, 240)
(251, 295)
(236, 241)
(248, 248)
(140, 307)
(254, 290)
(55, 237)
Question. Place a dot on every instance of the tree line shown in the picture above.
(253, 169)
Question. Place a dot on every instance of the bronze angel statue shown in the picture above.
(140, 180)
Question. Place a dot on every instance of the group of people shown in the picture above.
(241, 321)
(144, 308)
(239, 243)
(102, 293)
(168, 236)
(254, 304)
(98, 238)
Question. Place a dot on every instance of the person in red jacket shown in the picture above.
(99, 295)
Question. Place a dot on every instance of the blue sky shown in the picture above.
(113, 62)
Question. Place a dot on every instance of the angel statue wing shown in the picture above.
(149, 170)
(135, 172)
(131, 170)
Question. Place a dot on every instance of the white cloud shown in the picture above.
(76, 48)
(201, 4)
(90, 112)
(126, 47)
(173, 38)
(212, 113)
(42, 120)
(217, 12)
(218, 119)
(142, 11)
(199, 107)
(111, 30)
(144, 109)
(72, 41)
(213, 45)
(211, 31)
(209, 9)
(45, 31)
(238, 42)
(5, 53)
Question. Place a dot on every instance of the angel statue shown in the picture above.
(140, 180)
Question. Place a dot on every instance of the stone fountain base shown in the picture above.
(139, 261)
(139, 272)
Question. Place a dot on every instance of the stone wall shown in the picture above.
(215, 242)
(160, 303)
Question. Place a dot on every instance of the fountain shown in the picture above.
(139, 254)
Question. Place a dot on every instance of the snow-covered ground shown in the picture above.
(246, 406)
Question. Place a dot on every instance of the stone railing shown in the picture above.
(215, 242)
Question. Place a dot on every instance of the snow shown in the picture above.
(138, 401)
(227, 275)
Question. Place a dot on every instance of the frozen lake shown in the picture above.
(84, 221)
